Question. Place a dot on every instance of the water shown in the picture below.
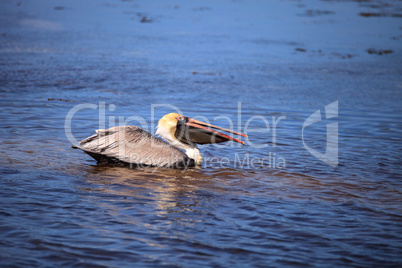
(212, 59)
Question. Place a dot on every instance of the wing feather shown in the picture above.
(133, 145)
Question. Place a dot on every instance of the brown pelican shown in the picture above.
(131, 145)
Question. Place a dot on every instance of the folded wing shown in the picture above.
(133, 145)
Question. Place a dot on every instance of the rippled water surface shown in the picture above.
(277, 60)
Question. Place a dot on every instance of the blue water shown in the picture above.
(248, 62)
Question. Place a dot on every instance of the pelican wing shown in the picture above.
(133, 145)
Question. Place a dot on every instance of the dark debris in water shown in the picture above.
(314, 13)
(379, 51)
(144, 19)
(206, 73)
(321, 53)
(342, 55)
(55, 99)
(300, 49)
(373, 14)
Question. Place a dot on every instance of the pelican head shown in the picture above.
(185, 133)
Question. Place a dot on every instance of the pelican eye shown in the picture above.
(181, 119)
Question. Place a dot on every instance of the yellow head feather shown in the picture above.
(169, 122)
